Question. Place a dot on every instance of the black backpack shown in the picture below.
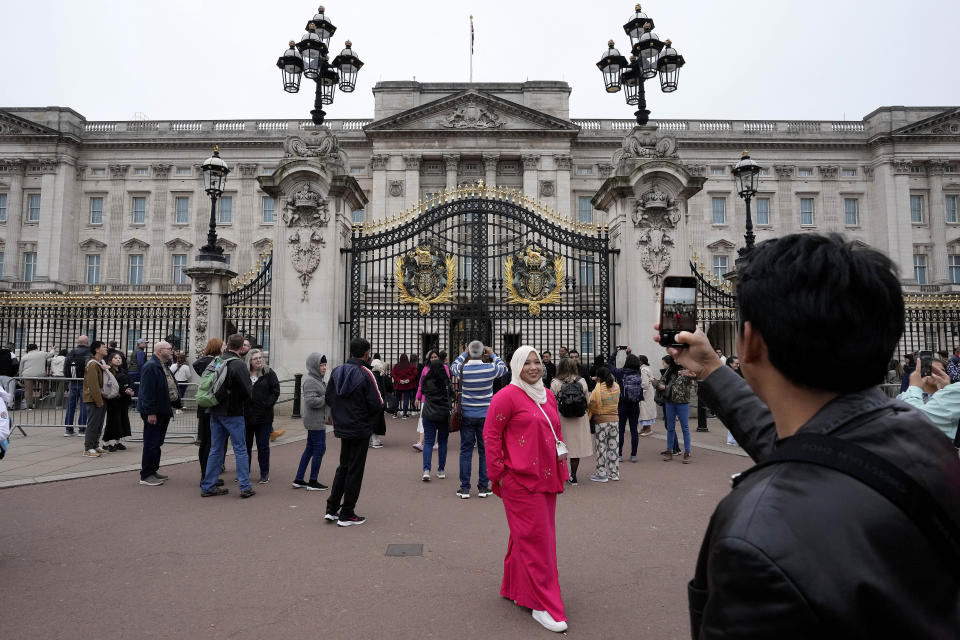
(572, 401)
(633, 387)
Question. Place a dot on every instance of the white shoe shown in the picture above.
(547, 621)
(441, 475)
(426, 475)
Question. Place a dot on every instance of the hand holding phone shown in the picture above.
(926, 363)
(678, 308)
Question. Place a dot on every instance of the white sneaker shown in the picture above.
(441, 475)
(548, 622)
(426, 475)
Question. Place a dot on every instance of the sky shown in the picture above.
(746, 59)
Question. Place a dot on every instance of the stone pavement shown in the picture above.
(105, 557)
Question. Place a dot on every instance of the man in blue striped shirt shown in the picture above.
(476, 382)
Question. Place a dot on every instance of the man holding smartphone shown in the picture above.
(808, 544)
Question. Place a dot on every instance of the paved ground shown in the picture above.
(104, 557)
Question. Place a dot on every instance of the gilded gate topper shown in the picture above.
(533, 277)
(425, 276)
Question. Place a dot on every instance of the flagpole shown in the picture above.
(471, 49)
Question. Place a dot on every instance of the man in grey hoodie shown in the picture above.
(316, 419)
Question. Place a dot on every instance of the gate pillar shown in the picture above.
(646, 201)
(315, 198)
(210, 282)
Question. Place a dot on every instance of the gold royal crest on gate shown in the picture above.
(534, 278)
(425, 276)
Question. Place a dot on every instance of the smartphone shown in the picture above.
(926, 363)
(678, 308)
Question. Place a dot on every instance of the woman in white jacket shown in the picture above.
(648, 408)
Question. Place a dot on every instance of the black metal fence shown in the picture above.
(482, 264)
(55, 320)
(717, 309)
(246, 307)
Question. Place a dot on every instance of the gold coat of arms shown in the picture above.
(534, 278)
(424, 277)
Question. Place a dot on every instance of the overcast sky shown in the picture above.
(750, 59)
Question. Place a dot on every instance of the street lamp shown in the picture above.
(747, 172)
(309, 58)
(215, 172)
(650, 57)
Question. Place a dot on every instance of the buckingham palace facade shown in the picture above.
(120, 204)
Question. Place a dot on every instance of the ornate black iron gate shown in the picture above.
(467, 266)
(717, 313)
(246, 307)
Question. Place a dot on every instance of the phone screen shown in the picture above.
(678, 311)
(926, 363)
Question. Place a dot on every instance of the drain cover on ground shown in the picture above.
(401, 550)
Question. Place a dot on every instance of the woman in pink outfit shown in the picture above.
(520, 433)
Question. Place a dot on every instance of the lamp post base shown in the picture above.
(643, 116)
(318, 115)
(211, 256)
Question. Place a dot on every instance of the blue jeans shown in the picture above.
(76, 389)
(437, 432)
(220, 428)
(315, 448)
(471, 431)
(405, 401)
(671, 411)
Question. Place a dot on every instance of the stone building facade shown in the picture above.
(120, 205)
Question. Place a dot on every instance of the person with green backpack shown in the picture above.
(224, 389)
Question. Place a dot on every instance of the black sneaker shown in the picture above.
(299, 484)
(216, 491)
(119, 447)
(463, 494)
(313, 485)
(247, 494)
(484, 492)
(351, 521)
(219, 482)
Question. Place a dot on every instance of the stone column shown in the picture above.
(210, 280)
(411, 179)
(49, 236)
(451, 162)
(564, 164)
(530, 164)
(646, 203)
(245, 214)
(115, 221)
(783, 217)
(831, 206)
(14, 224)
(378, 205)
(900, 229)
(938, 224)
(490, 161)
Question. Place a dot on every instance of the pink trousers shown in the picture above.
(530, 568)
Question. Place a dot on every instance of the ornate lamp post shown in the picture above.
(309, 58)
(747, 172)
(215, 173)
(650, 57)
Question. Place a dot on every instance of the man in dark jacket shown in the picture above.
(226, 419)
(155, 400)
(74, 368)
(803, 549)
(356, 403)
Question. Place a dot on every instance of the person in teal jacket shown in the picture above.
(936, 397)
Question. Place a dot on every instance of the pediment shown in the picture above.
(91, 244)
(942, 124)
(178, 244)
(721, 246)
(135, 243)
(226, 244)
(11, 125)
(471, 111)
(263, 245)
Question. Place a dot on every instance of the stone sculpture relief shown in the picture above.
(305, 213)
(547, 188)
(202, 313)
(320, 143)
(305, 245)
(656, 214)
(396, 188)
(472, 117)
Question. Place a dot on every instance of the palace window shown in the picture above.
(29, 266)
(136, 269)
(1, 262)
(951, 203)
(93, 269)
(719, 267)
(719, 207)
(804, 172)
(848, 173)
(586, 346)
(920, 268)
(267, 207)
(851, 212)
(357, 170)
(96, 210)
(806, 211)
(183, 171)
(584, 170)
(916, 168)
(717, 171)
(3, 207)
(954, 263)
(763, 210)
(586, 272)
(764, 172)
(358, 215)
(139, 210)
(226, 210)
(584, 209)
(33, 207)
(141, 171)
(98, 171)
(916, 209)
(226, 257)
(467, 268)
(133, 336)
(182, 209)
(179, 264)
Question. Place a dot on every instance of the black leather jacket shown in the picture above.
(802, 551)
